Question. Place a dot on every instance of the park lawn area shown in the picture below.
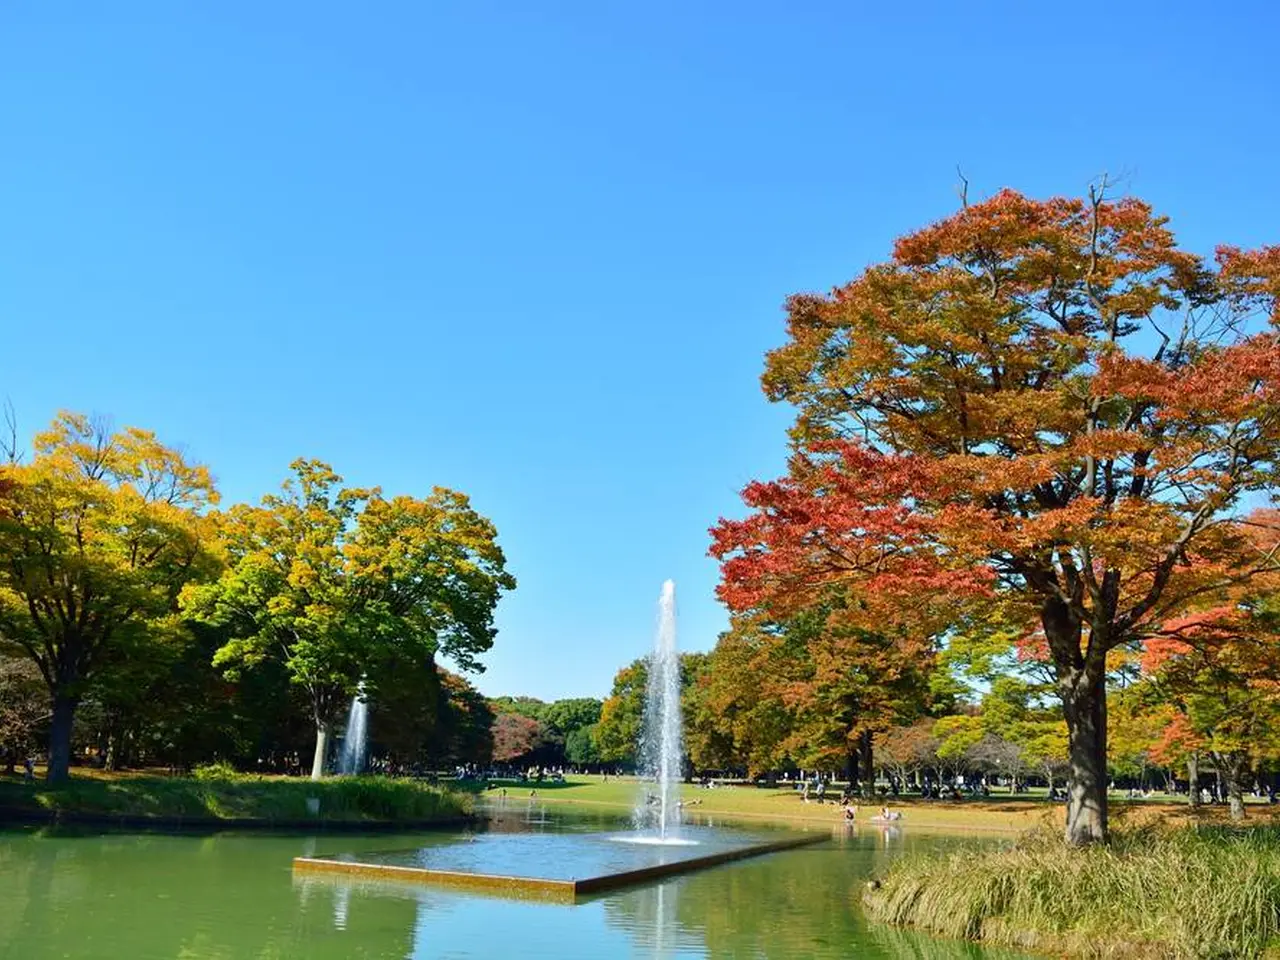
(751, 803)
(230, 796)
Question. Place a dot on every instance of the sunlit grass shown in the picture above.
(783, 805)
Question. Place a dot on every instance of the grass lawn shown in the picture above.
(785, 806)
(998, 813)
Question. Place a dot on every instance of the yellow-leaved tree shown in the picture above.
(99, 532)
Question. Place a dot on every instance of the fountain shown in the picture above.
(355, 742)
(661, 744)
(566, 866)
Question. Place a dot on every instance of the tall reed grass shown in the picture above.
(1191, 892)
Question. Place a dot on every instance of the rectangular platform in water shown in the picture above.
(551, 866)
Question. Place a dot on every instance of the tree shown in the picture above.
(837, 685)
(563, 717)
(98, 534)
(580, 746)
(465, 724)
(904, 751)
(1135, 723)
(515, 737)
(332, 581)
(1046, 746)
(957, 735)
(572, 724)
(732, 724)
(1045, 405)
(562, 724)
(622, 714)
(525, 706)
(1220, 671)
(24, 708)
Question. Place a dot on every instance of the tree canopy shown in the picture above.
(335, 581)
(1045, 410)
(99, 533)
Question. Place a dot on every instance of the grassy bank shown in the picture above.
(235, 797)
(1188, 892)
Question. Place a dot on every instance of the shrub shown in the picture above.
(216, 771)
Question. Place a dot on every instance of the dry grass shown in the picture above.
(1200, 892)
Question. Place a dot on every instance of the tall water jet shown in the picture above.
(355, 742)
(661, 747)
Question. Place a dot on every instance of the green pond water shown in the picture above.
(234, 895)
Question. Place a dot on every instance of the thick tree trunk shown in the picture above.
(1193, 780)
(64, 715)
(1084, 705)
(323, 731)
(866, 759)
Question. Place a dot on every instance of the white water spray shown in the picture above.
(661, 748)
(355, 742)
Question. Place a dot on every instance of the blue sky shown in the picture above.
(536, 251)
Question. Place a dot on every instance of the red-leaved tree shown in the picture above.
(1040, 408)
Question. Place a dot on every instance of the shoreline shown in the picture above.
(235, 803)
(1031, 819)
(19, 817)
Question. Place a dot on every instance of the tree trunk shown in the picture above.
(1084, 705)
(323, 731)
(866, 760)
(1193, 780)
(64, 714)
(1232, 766)
(111, 761)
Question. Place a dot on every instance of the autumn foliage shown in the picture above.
(1045, 408)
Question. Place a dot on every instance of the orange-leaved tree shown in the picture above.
(835, 687)
(1045, 406)
(1219, 670)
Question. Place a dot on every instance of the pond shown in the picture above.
(234, 895)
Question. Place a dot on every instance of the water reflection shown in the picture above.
(652, 921)
(341, 904)
(226, 897)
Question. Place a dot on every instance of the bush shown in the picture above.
(215, 792)
(216, 771)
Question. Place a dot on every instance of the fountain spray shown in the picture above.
(662, 753)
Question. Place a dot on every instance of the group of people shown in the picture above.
(850, 814)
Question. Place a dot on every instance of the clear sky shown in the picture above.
(536, 251)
